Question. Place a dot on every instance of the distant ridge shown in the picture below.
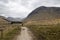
(4, 20)
(13, 19)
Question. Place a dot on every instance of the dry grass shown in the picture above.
(43, 22)
(46, 32)
(10, 30)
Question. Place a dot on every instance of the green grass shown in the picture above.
(46, 32)
(10, 35)
(10, 31)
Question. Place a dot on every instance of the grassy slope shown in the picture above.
(42, 22)
(10, 31)
(46, 32)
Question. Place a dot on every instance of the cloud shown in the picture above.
(21, 8)
(5, 1)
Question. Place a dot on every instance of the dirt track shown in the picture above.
(25, 34)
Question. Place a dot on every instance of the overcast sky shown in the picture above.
(21, 8)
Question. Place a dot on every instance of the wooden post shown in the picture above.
(1, 34)
(1, 30)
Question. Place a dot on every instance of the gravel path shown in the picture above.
(25, 34)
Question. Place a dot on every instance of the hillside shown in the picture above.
(7, 30)
(44, 15)
(2, 20)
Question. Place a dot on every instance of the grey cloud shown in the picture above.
(57, 1)
(24, 2)
(5, 1)
(3, 8)
(29, 5)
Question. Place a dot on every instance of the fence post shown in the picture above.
(1, 30)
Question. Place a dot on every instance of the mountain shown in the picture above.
(2, 20)
(44, 15)
(14, 19)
